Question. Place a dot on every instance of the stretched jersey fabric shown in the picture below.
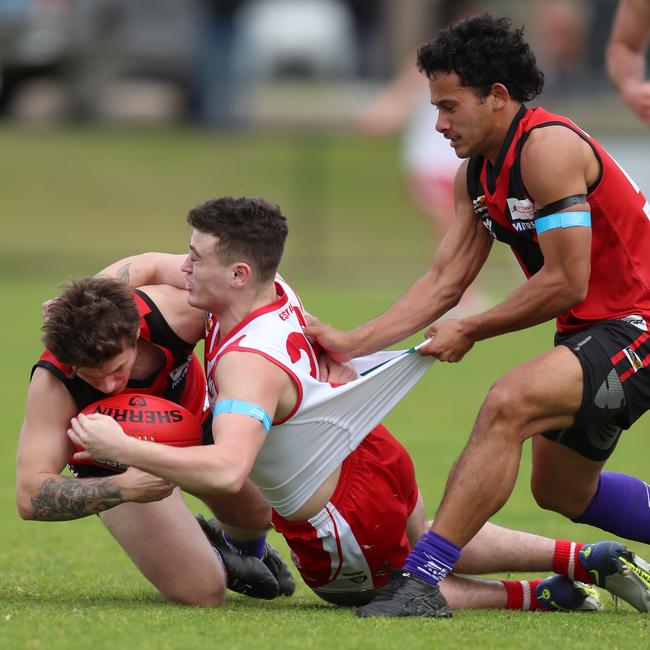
(179, 379)
(619, 284)
(328, 421)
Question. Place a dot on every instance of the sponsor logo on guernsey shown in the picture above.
(212, 391)
(209, 322)
(179, 373)
(479, 206)
(480, 210)
(633, 358)
(487, 222)
(522, 212)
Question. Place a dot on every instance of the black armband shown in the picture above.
(561, 204)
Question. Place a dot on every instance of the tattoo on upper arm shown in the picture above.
(124, 273)
(68, 498)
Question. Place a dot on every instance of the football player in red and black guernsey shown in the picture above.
(580, 229)
(103, 338)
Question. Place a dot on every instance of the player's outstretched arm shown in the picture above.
(213, 469)
(43, 451)
(555, 164)
(459, 258)
(149, 268)
(625, 55)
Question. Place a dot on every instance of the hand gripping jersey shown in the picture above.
(619, 285)
(179, 379)
(328, 422)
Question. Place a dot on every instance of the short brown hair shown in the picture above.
(92, 321)
(252, 229)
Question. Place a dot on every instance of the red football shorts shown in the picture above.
(359, 537)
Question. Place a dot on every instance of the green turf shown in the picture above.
(73, 201)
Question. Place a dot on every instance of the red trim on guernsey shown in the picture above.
(272, 306)
(233, 347)
(212, 361)
(224, 349)
(296, 296)
(144, 310)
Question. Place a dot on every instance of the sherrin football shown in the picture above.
(147, 417)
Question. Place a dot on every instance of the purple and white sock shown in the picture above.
(432, 558)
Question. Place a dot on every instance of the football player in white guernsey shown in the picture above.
(342, 489)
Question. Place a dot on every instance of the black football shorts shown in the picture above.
(615, 359)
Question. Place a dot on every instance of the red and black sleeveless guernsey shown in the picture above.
(619, 284)
(180, 379)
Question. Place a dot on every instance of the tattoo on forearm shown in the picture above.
(69, 498)
(124, 273)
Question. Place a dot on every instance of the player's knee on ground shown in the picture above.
(204, 588)
(212, 596)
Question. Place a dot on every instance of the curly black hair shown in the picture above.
(482, 51)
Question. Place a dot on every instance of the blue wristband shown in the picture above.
(244, 408)
(562, 220)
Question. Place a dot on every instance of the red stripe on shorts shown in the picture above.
(628, 373)
(633, 346)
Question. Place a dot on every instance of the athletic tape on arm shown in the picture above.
(563, 220)
(244, 408)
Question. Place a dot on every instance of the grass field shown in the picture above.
(74, 200)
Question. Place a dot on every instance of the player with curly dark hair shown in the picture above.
(580, 229)
(484, 51)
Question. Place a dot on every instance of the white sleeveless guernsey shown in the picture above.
(328, 422)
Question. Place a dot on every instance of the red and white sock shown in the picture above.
(567, 563)
(521, 595)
